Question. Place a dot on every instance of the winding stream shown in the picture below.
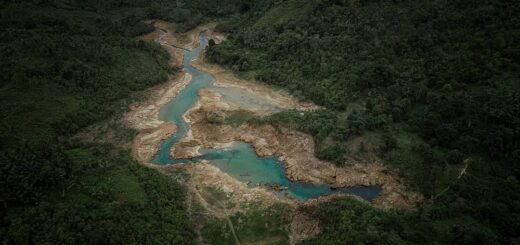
(239, 160)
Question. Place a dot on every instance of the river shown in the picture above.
(238, 160)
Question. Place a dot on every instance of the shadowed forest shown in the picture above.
(437, 83)
(66, 65)
(439, 80)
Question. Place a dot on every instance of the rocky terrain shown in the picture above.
(295, 149)
(210, 130)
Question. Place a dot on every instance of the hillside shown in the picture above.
(437, 81)
(430, 90)
(65, 66)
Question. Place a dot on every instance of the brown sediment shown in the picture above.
(225, 78)
(296, 150)
(148, 141)
(188, 146)
(237, 192)
(144, 116)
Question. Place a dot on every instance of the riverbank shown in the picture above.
(207, 129)
(295, 149)
(144, 116)
(277, 97)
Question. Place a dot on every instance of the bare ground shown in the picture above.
(295, 149)
(225, 78)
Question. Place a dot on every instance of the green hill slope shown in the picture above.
(66, 65)
(436, 80)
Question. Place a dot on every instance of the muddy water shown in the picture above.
(239, 160)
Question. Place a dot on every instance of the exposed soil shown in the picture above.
(144, 116)
(237, 192)
(295, 149)
(147, 143)
(225, 78)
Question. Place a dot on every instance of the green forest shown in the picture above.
(65, 65)
(438, 80)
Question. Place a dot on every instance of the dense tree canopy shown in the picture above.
(449, 69)
(439, 80)
(65, 65)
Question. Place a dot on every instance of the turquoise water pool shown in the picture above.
(239, 160)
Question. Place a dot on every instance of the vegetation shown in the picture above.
(409, 62)
(239, 117)
(114, 200)
(438, 79)
(66, 65)
(357, 223)
(62, 70)
(265, 226)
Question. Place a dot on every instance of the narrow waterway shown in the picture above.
(239, 160)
